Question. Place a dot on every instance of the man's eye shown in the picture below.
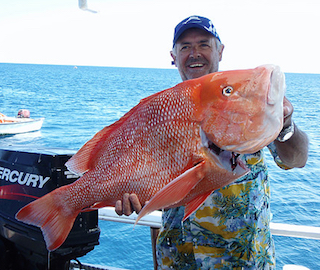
(184, 48)
(204, 45)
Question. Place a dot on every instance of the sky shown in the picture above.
(139, 33)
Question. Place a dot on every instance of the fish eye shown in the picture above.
(227, 91)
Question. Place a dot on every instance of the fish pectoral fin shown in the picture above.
(175, 191)
(195, 204)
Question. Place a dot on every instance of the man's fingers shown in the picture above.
(118, 207)
(135, 203)
(287, 112)
(287, 107)
(126, 205)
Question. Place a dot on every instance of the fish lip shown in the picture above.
(277, 85)
(225, 159)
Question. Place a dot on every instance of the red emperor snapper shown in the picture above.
(174, 148)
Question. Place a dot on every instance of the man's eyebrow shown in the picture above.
(204, 41)
(185, 43)
(199, 42)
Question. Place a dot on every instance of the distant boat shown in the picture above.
(20, 124)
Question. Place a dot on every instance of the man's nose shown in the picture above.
(194, 53)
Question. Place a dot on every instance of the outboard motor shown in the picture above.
(25, 175)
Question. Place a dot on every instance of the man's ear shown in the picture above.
(173, 62)
(220, 52)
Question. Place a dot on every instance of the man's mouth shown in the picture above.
(196, 65)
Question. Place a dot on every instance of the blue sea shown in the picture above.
(79, 101)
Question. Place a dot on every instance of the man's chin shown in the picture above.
(193, 73)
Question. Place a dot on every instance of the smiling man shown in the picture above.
(231, 230)
(197, 49)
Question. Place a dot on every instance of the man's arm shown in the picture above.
(293, 152)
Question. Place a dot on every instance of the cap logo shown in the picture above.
(192, 18)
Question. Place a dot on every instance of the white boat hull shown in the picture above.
(20, 125)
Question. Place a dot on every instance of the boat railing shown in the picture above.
(153, 220)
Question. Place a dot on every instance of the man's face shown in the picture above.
(196, 54)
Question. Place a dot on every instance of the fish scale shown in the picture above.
(161, 149)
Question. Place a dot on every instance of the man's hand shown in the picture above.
(293, 152)
(287, 112)
(128, 205)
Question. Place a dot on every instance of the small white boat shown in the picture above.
(16, 125)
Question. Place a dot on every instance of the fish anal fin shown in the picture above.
(195, 204)
(96, 206)
(175, 191)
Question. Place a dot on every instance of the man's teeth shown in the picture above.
(196, 65)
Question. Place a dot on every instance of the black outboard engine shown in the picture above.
(25, 175)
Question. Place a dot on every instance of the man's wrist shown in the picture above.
(286, 133)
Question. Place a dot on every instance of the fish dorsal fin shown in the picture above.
(85, 158)
(195, 204)
(175, 191)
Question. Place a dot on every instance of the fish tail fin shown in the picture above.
(53, 219)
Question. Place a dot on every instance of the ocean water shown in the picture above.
(78, 102)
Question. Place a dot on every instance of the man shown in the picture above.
(231, 229)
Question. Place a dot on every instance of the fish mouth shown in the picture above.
(225, 159)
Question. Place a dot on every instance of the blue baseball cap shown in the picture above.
(195, 22)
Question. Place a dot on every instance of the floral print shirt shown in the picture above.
(229, 231)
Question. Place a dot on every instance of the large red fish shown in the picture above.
(174, 148)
